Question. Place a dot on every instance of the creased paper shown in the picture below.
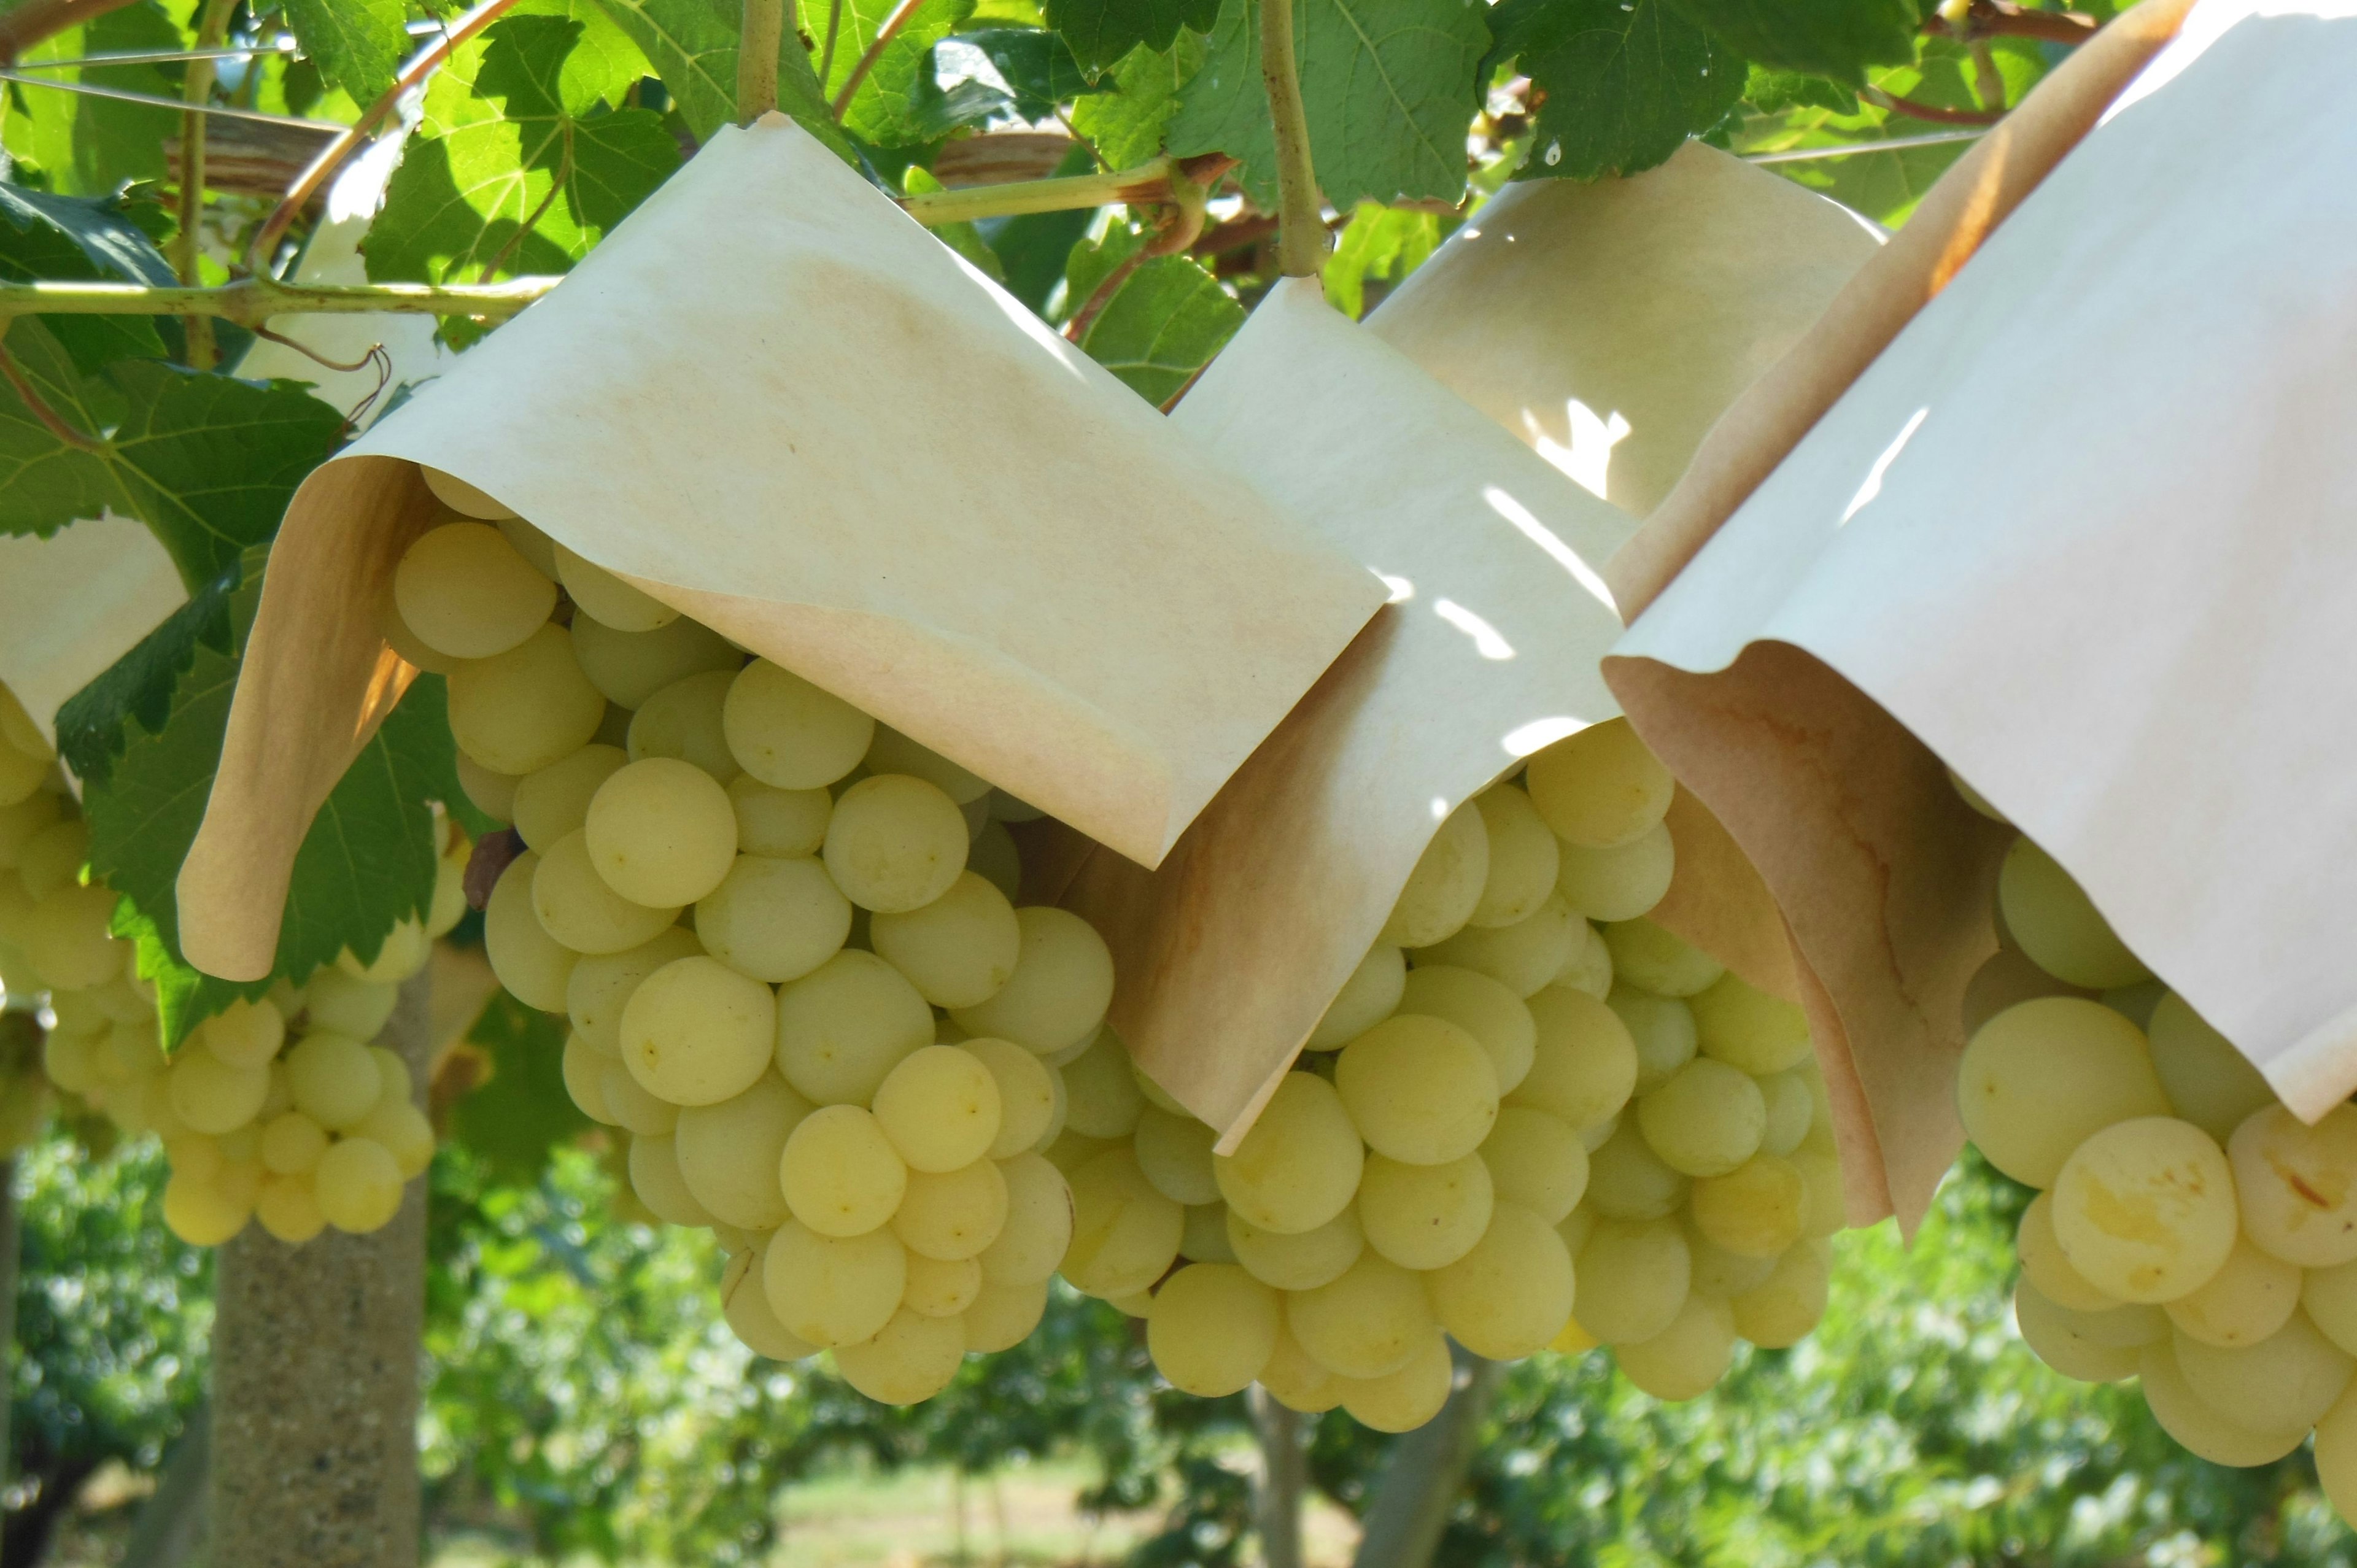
(72, 604)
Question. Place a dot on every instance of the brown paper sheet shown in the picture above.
(1883, 874)
(1230, 952)
(773, 401)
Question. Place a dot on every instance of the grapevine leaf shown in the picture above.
(518, 166)
(94, 724)
(692, 44)
(1100, 32)
(1379, 243)
(1162, 325)
(1774, 92)
(883, 111)
(1032, 249)
(1620, 86)
(522, 1109)
(963, 237)
(88, 145)
(934, 114)
(1835, 38)
(111, 243)
(604, 62)
(1387, 85)
(357, 44)
(1125, 124)
(1036, 65)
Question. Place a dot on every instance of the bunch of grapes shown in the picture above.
(1503, 1101)
(787, 940)
(2187, 1229)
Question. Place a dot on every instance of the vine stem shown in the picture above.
(874, 51)
(757, 58)
(187, 245)
(338, 153)
(252, 301)
(1301, 225)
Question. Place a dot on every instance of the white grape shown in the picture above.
(603, 596)
(466, 593)
(1211, 1329)
(834, 1290)
(2058, 926)
(682, 722)
(1484, 1007)
(358, 1185)
(775, 920)
(577, 907)
(910, 1360)
(787, 733)
(1425, 1217)
(939, 1108)
(959, 949)
(1619, 883)
(953, 1214)
(1523, 859)
(518, 711)
(1038, 1228)
(1445, 886)
(1512, 1292)
(1419, 1090)
(730, 1154)
(1601, 787)
(629, 667)
(1371, 995)
(846, 1025)
(696, 1032)
(662, 832)
(841, 1174)
(1062, 985)
(1523, 956)
(2043, 1075)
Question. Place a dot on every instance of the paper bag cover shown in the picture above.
(2082, 529)
(1229, 953)
(72, 604)
(774, 401)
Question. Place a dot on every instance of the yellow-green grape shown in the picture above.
(1419, 1090)
(2297, 1184)
(629, 666)
(959, 949)
(1824, 1211)
(2206, 1433)
(940, 1107)
(1301, 1260)
(447, 905)
(491, 792)
(662, 832)
(577, 907)
(52, 859)
(774, 919)
(788, 824)
(71, 1061)
(248, 1033)
(1619, 883)
(1371, 995)
(1484, 1007)
(356, 1007)
(731, 1153)
(1510, 1292)
(334, 1079)
(20, 820)
(841, 1174)
(655, 1179)
(203, 1214)
(745, 1303)
(682, 722)
(554, 801)
(892, 752)
(599, 987)
(1425, 1217)
(1601, 787)
(1715, 1271)
(1661, 1028)
(1653, 959)
(994, 857)
(1445, 888)
(1366, 1322)
(1523, 957)
(1583, 1063)
(2329, 1296)
(1101, 1094)
(1296, 1382)
(518, 711)
(466, 593)
(1535, 1161)
(288, 1207)
(1627, 1180)
(2144, 1210)
(1175, 1153)
(1029, 1095)
(2006, 978)
(2136, 1003)
(463, 497)
(392, 1072)
(1039, 1227)
(1687, 1359)
(2058, 925)
(696, 1032)
(1524, 856)
(953, 1214)
(1574, 1340)
(1633, 1276)
(1705, 1119)
(2045, 1265)
(2043, 1075)
(403, 953)
(2209, 1082)
(1205, 1238)
(20, 774)
(788, 733)
(1299, 1165)
(19, 733)
(1754, 1210)
(1068, 1152)
(68, 942)
(1211, 1329)
(1002, 1315)
(942, 1288)
(2056, 1335)
(211, 1096)
(532, 965)
(358, 1185)
(895, 843)
(584, 1080)
(846, 1025)
(1405, 1398)
(1781, 1311)
(834, 1290)
(403, 1131)
(1057, 996)
(2336, 1456)
(2250, 1297)
(910, 1360)
(405, 642)
(603, 596)
(1791, 1110)
(2289, 1380)
(1737, 1024)
(1126, 1235)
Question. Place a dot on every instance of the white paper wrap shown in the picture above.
(2088, 528)
(74, 603)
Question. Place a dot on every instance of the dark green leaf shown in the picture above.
(94, 724)
(1774, 92)
(1388, 85)
(1835, 38)
(1125, 124)
(1038, 66)
(884, 109)
(88, 145)
(97, 226)
(934, 114)
(522, 1110)
(1620, 87)
(1100, 32)
(1378, 242)
(357, 44)
(1162, 325)
(1033, 249)
(693, 45)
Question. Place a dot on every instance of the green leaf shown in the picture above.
(94, 724)
(88, 146)
(1388, 86)
(1032, 249)
(1163, 323)
(1835, 38)
(1125, 124)
(934, 114)
(1775, 91)
(358, 45)
(1100, 32)
(885, 110)
(518, 166)
(1620, 87)
(97, 226)
(207, 461)
(1036, 65)
(692, 44)
(1378, 242)
(522, 1110)
(963, 237)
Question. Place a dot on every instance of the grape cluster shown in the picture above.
(787, 940)
(2187, 1229)
(1532, 1118)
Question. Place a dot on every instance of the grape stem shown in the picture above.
(757, 58)
(1301, 236)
